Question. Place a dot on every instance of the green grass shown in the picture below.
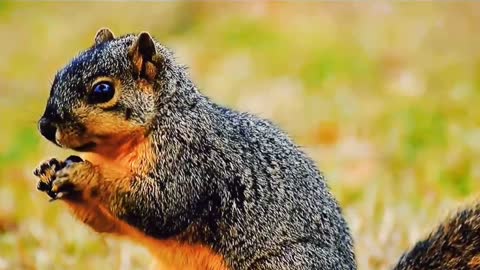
(383, 96)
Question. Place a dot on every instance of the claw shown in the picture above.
(57, 196)
(51, 194)
(50, 164)
(54, 162)
(60, 195)
(43, 167)
(42, 186)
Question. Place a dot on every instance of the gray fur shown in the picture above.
(225, 179)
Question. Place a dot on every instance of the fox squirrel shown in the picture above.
(200, 185)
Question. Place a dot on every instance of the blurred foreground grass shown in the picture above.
(383, 96)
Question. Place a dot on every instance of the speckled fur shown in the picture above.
(455, 245)
(221, 178)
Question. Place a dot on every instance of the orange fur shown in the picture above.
(170, 254)
(116, 165)
(474, 262)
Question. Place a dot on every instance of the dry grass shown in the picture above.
(383, 96)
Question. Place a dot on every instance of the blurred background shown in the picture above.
(383, 96)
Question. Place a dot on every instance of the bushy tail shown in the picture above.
(454, 245)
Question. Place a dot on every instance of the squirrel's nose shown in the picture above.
(47, 129)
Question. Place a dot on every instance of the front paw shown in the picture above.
(74, 178)
(47, 172)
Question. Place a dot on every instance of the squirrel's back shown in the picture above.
(263, 188)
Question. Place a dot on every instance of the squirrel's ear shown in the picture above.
(103, 35)
(144, 56)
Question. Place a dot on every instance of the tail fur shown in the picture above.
(454, 245)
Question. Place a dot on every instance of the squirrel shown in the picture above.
(202, 186)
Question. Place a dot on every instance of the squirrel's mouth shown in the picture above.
(85, 147)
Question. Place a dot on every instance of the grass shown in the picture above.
(383, 96)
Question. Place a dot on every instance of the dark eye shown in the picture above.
(102, 92)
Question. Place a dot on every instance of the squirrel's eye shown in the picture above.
(102, 92)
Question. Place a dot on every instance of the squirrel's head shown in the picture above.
(106, 96)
